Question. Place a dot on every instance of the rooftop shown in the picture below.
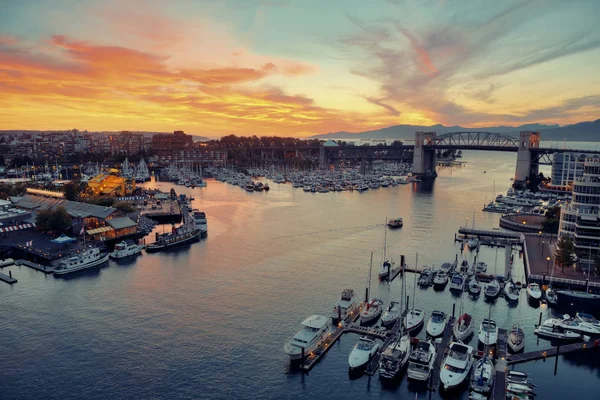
(74, 208)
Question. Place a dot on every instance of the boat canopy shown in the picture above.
(315, 321)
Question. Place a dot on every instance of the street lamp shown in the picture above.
(547, 264)
(540, 237)
(543, 243)
(467, 222)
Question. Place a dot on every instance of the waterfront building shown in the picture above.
(166, 143)
(566, 168)
(580, 219)
(111, 185)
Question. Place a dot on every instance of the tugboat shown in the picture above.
(177, 237)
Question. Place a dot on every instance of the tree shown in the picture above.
(124, 206)
(53, 220)
(563, 255)
(71, 191)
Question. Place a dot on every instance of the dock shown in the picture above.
(7, 278)
(434, 378)
(552, 352)
(38, 267)
(499, 392)
(373, 365)
(490, 233)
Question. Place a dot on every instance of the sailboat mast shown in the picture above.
(384, 239)
(369, 281)
(415, 284)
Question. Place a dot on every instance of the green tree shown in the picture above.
(42, 219)
(53, 220)
(563, 255)
(71, 191)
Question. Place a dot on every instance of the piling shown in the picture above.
(407, 301)
(453, 309)
(540, 321)
(339, 314)
(556, 359)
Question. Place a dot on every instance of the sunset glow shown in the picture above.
(295, 68)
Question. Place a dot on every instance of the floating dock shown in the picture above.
(552, 352)
(7, 278)
(434, 378)
(491, 234)
(499, 392)
(373, 365)
(38, 267)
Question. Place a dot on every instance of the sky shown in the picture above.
(296, 67)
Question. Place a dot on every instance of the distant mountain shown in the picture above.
(583, 131)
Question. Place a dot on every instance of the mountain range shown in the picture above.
(582, 131)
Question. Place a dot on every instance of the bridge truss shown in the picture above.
(475, 140)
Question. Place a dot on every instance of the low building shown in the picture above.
(111, 185)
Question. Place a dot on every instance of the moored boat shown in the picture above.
(395, 356)
(85, 259)
(488, 332)
(346, 306)
(314, 330)
(534, 292)
(551, 329)
(125, 249)
(395, 223)
(436, 324)
(421, 361)
(516, 339)
(456, 366)
(463, 327)
(391, 315)
(441, 280)
(362, 353)
(178, 237)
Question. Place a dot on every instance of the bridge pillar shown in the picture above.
(423, 157)
(525, 169)
(322, 158)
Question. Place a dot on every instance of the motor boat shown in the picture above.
(314, 329)
(126, 249)
(441, 280)
(473, 243)
(362, 353)
(384, 272)
(474, 287)
(426, 277)
(551, 329)
(436, 324)
(200, 220)
(576, 325)
(511, 292)
(395, 223)
(516, 339)
(395, 356)
(371, 311)
(85, 259)
(492, 289)
(483, 376)
(551, 297)
(588, 318)
(346, 306)
(518, 377)
(457, 283)
(456, 366)
(421, 361)
(414, 319)
(464, 266)
(579, 298)
(463, 327)
(391, 315)
(447, 268)
(534, 292)
(480, 267)
(488, 332)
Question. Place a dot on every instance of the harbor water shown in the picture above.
(208, 321)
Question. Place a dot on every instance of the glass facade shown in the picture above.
(567, 167)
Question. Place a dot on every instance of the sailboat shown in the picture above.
(415, 316)
(373, 307)
(386, 265)
(464, 325)
(484, 373)
(493, 288)
(551, 296)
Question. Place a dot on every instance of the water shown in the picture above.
(209, 322)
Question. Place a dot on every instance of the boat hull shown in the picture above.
(101, 260)
(151, 248)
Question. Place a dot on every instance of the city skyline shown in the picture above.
(287, 68)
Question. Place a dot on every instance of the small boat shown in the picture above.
(266, 187)
(492, 289)
(414, 319)
(534, 292)
(551, 297)
(518, 377)
(395, 356)
(457, 283)
(391, 315)
(249, 187)
(395, 223)
(463, 327)
(436, 324)
(551, 329)
(372, 311)
(456, 366)
(314, 329)
(576, 325)
(178, 237)
(126, 249)
(480, 267)
(511, 292)
(421, 361)
(488, 332)
(346, 306)
(474, 287)
(579, 298)
(362, 353)
(6, 262)
(473, 243)
(441, 280)
(483, 376)
(447, 268)
(384, 272)
(516, 339)
(588, 318)
(426, 277)
(85, 259)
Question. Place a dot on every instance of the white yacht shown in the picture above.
(421, 361)
(200, 220)
(395, 356)
(126, 249)
(371, 311)
(588, 318)
(474, 286)
(391, 315)
(457, 283)
(511, 292)
(551, 329)
(516, 339)
(463, 327)
(488, 332)
(436, 324)
(345, 306)
(484, 374)
(456, 366)
(492, 289)
(363, 351)
(414, 319)
(534, 292)
(577, 325)
(85, 259)
(480, 267)
(314, 330)
(440, 280)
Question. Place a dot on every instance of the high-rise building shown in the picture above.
(566, 167)
(580, 219)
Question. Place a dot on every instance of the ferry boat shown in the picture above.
(345, 306)
(126, 249)
(314, 330)
(456, 366)
(179, 236)
(421, 361)
(395, 356)
(200, 220)
(362, 353)
(85, 259)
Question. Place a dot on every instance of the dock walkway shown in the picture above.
(390, 336)
(7, 278)
(434, 380)
(42, 268)
(552, 352)
(501, 364)
(492, 233)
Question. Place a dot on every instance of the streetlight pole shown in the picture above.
(540, 237)
(547, 264)
(543, 243)
(467, 223)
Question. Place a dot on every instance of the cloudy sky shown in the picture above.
(296, 67)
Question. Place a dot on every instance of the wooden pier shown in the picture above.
(499, 392)
(441, 348)
(7, 278)
(552, 352)
(38, 267)
(491, 234)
